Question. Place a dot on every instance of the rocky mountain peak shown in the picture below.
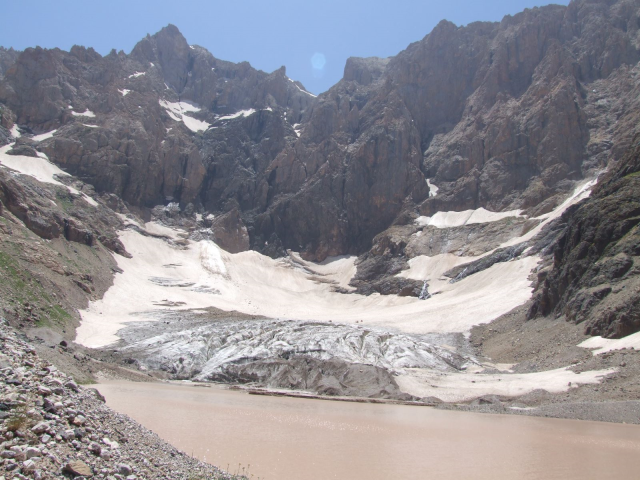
(364, 70)
(7, 58)
(169, 49)
(501, 116)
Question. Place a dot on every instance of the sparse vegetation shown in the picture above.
(19, 419)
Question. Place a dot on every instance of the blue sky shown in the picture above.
(298, 34)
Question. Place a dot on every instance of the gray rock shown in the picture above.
(79, 420)
(31, 452)
(124, 469)
(78, 468)
(95, 448)
(41, 427)
(72, 386)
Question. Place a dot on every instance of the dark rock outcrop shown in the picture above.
(230, 233)
(595, 277)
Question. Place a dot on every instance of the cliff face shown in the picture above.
(496, 115)
(132, 124)
(7, 58)
(595, 276)
(502, 116)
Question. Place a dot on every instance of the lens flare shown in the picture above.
(318, 61)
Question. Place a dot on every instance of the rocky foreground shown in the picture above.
(50, 427)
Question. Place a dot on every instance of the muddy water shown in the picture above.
(286, 438)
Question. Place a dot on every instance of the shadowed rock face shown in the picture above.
(595, 274)
(497, 115)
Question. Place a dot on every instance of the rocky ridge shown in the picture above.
(514, 114)
(593, 279)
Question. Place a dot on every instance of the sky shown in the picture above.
(313, 39)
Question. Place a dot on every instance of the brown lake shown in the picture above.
(289, 438)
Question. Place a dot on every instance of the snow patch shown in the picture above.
(602, 345)
(89, 200)
(297, 129)
(466, 217)
(582, 191)
(433, 190)
(86, 113)
(124, 92)
(433, 269)
(302, 90)
(458, 387)
(241, 113)
(211, 258)
(43, 136)
(15, 133)
(258, 285)
(178, 112)
(337, 271)
(137, 74)
(39, 168)
(194, 124)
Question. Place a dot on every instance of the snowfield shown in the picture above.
(162, 277)
(39, 168)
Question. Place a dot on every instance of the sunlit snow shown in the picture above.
(86, 113)
(466, 217)
(433, 190)
(44, 136)
(241, 113)
(39, 168)
(303, 91)
(178, 111)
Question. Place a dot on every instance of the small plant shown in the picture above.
(19, 419)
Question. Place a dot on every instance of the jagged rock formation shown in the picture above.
(595, 274)
(127, 123)
(497, 115)
(7, 58)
